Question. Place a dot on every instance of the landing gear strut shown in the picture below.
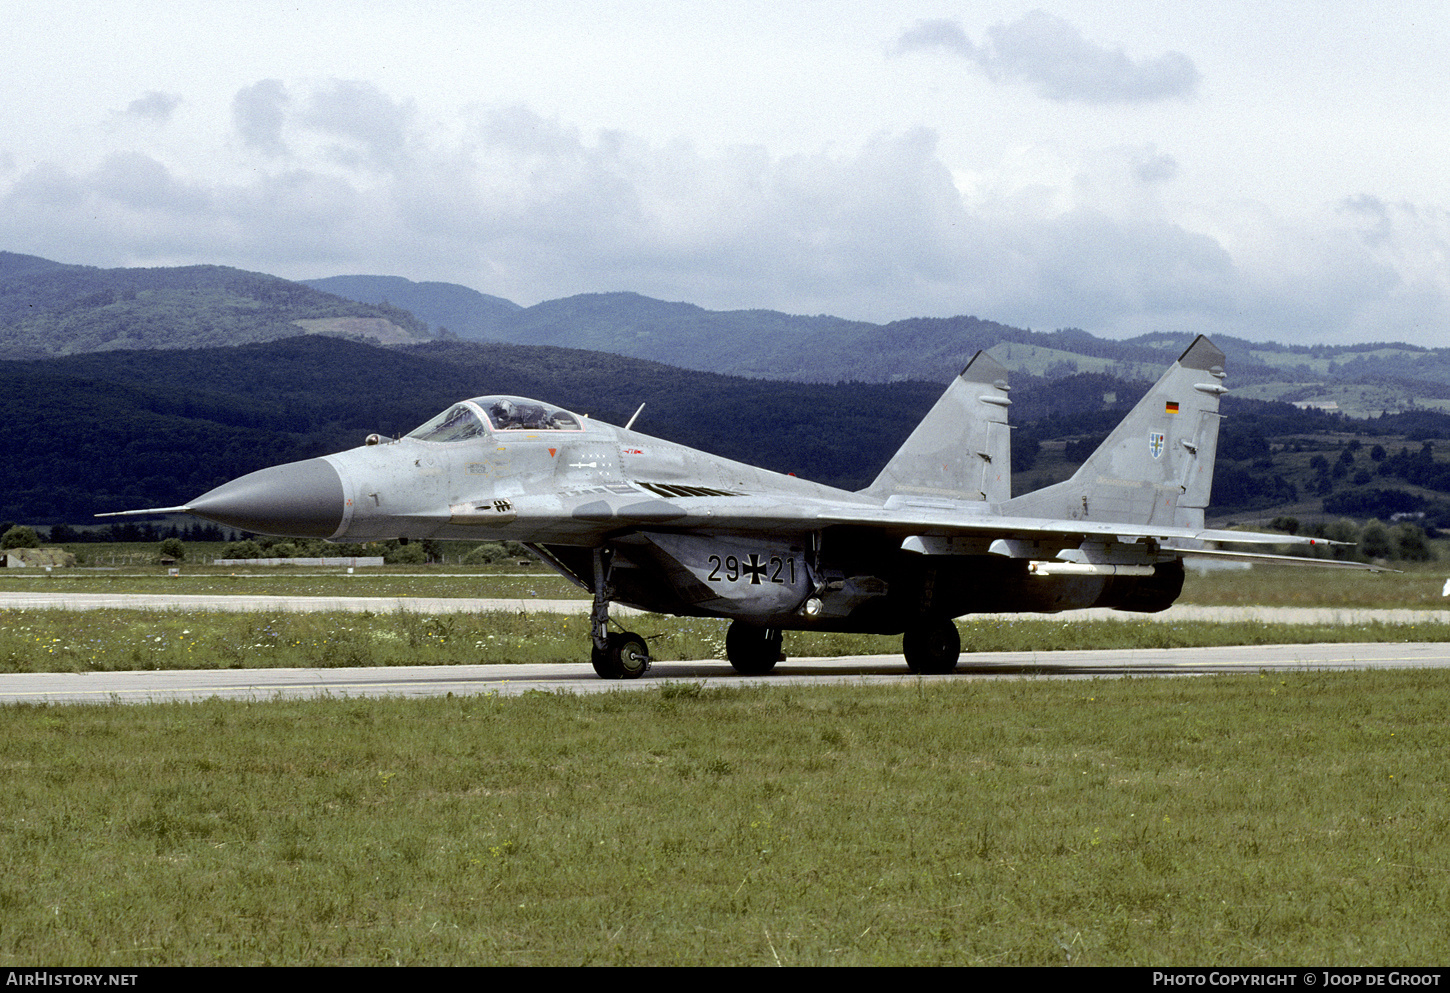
(752, 651)
(615, 654)
(932, 647)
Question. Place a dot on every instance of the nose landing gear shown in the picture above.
(616, 654)
(624, 656)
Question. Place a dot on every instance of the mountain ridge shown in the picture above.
(773, 345)
(115, 430)
(51, 308)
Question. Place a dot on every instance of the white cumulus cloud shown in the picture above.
(1052, 56)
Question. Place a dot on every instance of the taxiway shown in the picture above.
(511, 680)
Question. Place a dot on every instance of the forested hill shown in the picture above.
(86, 434)
(50, 308)
(762, 344)
(449, 307)
(1362, 379)
(127, 429)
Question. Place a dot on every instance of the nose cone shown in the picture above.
(297, 500)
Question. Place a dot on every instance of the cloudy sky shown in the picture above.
(1266, 169)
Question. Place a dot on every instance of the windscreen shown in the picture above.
(458, 423)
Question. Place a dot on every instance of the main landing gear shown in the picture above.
(752, 651)
(932, 647)
(616, 654)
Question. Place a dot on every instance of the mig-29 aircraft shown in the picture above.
(665, 528)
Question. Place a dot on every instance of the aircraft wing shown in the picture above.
(969, 528)
(952, 533)
(928, 522)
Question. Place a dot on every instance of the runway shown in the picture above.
(512, 680)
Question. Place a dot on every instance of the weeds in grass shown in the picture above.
(111, 640)
(389, 581)
(1233, 820)
(1418, 586)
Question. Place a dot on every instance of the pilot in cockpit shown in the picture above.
(501, 412)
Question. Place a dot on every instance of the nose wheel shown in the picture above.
(624, 657)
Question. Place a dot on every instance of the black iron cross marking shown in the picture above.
(754, 569)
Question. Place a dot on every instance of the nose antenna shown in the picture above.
(632, 419)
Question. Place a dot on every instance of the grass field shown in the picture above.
(124, 640)
(387, 581)
(107, 640)
(1418, 586)
(1251, 820)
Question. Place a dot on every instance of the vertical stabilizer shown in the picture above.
(1157, 465)
(960, 451)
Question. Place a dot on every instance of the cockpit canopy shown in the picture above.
(474, 418)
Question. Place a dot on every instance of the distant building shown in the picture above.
(26, 558)
(1329, 406)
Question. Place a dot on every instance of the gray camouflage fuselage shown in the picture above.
(667, 528)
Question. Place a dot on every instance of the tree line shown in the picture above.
(94, 433)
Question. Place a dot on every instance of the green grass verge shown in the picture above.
(388, 581)
(1418, 586)
(1253, 820)
(122, 640)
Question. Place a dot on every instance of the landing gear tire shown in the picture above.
(932, 648)
(752, 651)
(627, 657)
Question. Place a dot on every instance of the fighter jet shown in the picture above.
(640, 521)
